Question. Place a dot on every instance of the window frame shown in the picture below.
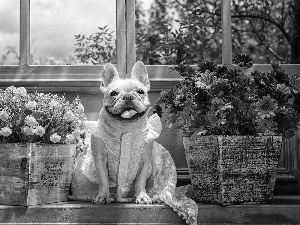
(162, 78)
(66, 78)
(86, 78)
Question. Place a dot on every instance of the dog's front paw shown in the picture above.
(102, 198)
(165, 196)
(143, 198)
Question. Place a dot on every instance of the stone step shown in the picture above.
(282, 210)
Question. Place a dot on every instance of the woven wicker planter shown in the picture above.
(32, 174)
(233, 169)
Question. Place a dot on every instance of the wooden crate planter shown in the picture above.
(233, 169)
(32, 174)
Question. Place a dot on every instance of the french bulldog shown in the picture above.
(123, 162)
(123, 146)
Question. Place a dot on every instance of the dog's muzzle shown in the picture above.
(127, 97)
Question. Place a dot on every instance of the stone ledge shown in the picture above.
(282, 210)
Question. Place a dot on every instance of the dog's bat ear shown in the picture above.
(109, 74)
(139, 72)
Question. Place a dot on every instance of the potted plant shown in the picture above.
(232, 120)
(39, 134)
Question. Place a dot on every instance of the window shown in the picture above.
(168, 32)
(221, 20)
(41, 65)
(264, 30)
(228, 16)
(133, 40)
(37, 71)
(9, 32)
(72, 32)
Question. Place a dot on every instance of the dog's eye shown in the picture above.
(140, 91)
(113, 94)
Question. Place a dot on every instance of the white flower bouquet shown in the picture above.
(39, 118)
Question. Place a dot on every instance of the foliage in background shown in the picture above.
(267, 30)
(11, 57)
(10, 53)
(191, 31)
(172, 31)
(38, 117)
(175, 33)
(216, 100)
(98, 48)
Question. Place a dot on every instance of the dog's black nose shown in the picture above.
(127, 97)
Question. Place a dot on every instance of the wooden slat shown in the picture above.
(55, 71)
(87, 78)
(156, 72)
(121, 37)
(226, 32)
(130, 34)
(24, 32)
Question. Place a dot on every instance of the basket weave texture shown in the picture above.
(33, 174)
(233, 169)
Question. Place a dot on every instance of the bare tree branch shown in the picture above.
(285, 34)
(275, 55)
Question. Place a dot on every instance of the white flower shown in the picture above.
(55, 138)
(70, 139)
(77, 122)
(80, 108)
(39, 131)
(5, 131)
(30, 121)
(76, 133)
(15, 99)
(4, 115)
(54, 103)
(201, 84)
(21, 91)
(30, 105)
(69, 116)
(28, 130)
(11, 89)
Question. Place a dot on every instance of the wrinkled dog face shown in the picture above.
(125, 99)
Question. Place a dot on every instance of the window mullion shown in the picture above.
(24, 32)
(226, 32)
(130, 34)
(121, 37)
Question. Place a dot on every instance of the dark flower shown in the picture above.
(216, 100)
(242, 60)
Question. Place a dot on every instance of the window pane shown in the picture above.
(71, 32)
(265, 30)
(9, 32)
(170, 31)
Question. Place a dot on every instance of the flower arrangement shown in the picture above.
(216, 100)
(37, 117)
